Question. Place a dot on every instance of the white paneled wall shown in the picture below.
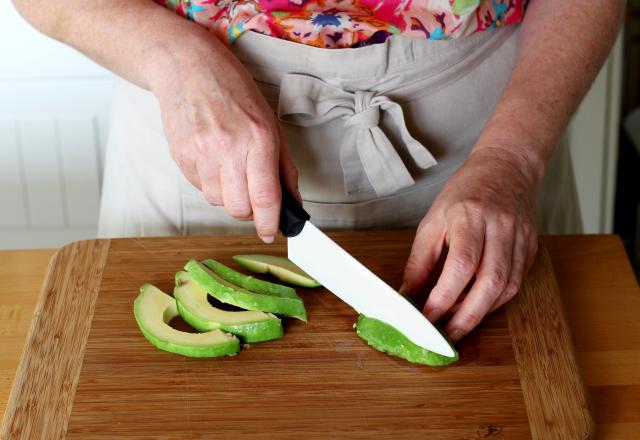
(54, 110)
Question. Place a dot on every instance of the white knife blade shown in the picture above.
(348, 279)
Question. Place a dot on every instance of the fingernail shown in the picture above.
(268, 238)
(433, 314)
(455, 335)
(403, 288)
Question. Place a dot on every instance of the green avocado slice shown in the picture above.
(249, 282)
(154, 309)
(229, 293)
(387, 339)
(194, 308)
(280, 267)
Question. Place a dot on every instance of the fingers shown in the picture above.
(264, 190)
(524, 252)
(491, 279)
(234, 189)
(288, 170)
(466, 239)
(209, 175)
(425, 253)
(189, 169)
(518, 261)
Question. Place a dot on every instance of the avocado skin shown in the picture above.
(230, 347)
(387, 339)
(240, 297)
(249, 282)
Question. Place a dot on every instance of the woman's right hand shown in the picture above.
(222, 133)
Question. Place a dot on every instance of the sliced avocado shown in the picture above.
(194, 308)
(154, 309)
(387, 339)
(248, 282)
(280, 267)
(229, 293)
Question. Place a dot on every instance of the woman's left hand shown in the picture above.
(485, 215)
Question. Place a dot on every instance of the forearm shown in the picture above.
(132, 38)
(562, 47)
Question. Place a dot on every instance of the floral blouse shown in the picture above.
(348, 23)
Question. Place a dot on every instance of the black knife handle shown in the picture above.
(292, 215)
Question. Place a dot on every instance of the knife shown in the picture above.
(344, 276)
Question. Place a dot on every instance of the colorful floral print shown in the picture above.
(348, 23)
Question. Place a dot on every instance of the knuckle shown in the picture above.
(528, 229)
(413, 264)
(264, 197)
(201, 138)
(507, 220)
(496, 283)
(225, 143)
(206, 141)
(262, 131)
(470, 320)
(441, 300)
(471, 208)
(465, 262)
(511, 291)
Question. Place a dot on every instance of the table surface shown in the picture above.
(598, 288)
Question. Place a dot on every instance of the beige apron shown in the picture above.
(375, 133)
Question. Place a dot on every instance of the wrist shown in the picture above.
(530, 164)
(167, 62)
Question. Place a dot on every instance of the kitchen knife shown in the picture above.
(348, 279)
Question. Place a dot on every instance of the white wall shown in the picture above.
(54, 109)
(593, 138)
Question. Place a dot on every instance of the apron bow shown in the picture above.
(307, 101)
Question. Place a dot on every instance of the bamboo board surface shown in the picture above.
(87, 372)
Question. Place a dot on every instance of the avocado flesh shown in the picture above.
(387, 339)
(280, 267)
(229, 293)
(249, 326)
(249, 282)
(154, 309)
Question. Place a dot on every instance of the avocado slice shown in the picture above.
(280, 267)
(248, 282)
(154, 309)
(194, 308)
(387, 339)
(229, 293)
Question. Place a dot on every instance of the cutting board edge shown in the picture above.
(22, 418)
(539, 382)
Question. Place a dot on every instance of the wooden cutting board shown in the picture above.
(87, 372)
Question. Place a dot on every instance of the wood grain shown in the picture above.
(46, 379)
(319, 373)
(319, 380)
(552, 386)
(21, 274)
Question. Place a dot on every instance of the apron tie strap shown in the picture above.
(308, 101)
